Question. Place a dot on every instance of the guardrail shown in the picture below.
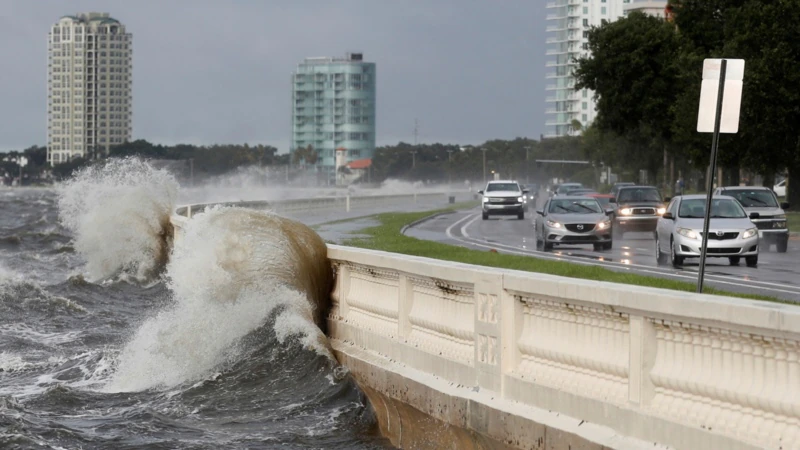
(681, 369)
(345, 203)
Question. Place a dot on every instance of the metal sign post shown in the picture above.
(727, 104)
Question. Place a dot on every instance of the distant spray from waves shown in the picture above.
(119, 214)
(233, 272)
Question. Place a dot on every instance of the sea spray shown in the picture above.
(119, 214)
(231, 270)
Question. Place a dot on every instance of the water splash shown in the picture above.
(119, 214)
(230, 271)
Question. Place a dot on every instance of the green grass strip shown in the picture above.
(387, 237)
(793, 221)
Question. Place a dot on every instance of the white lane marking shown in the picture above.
(721, 279)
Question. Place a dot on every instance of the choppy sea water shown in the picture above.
(100, 347)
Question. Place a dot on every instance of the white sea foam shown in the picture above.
(224, 278)
(119, 214)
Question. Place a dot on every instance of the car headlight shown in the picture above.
(750, 233)
(625, 211)
(779, 224)
(691, 234)
(553, 224)
(661, 211)
(485, 199)
(524, 197)
(604, 225)
(519, 199)
(781, 216)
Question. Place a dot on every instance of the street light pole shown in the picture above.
(450, 168)
(413, 158)
(484, 165)
(527, 165)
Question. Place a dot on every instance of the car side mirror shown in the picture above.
(540, 212)
(612, 200)
(667, 199)
(785, 205)
(609, 212)
(755, 215)
(480, 192)
(668, 215)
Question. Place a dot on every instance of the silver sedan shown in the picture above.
(573, 220)
(731, 233)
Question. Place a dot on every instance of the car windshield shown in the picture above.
(753, 198)
(721, 208)
(502, 187)
(638, 195)
(568, 187)
(588, 206)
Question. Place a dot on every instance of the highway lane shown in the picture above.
(777, 274)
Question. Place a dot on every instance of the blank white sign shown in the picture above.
(731, 98)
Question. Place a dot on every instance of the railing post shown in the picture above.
(189, 212)
(347, 204)
(642, 358)
(405, 302)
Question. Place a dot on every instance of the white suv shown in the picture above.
(503, 197)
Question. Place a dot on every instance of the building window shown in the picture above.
(603, 10)
(584, 105)
(586, 22)
(586, 10)
(584, 118)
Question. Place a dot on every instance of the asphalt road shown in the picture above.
(777, 274)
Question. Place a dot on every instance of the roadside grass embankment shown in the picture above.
(793, 221)
(388, 237)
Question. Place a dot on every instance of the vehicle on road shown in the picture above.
(637, 208)
(771, 222)
(572, 220)
(563, 188)
(603, 199)
(580, 192)
(731, 233)
(616, 186)
(503, 197)
(780, 189)
(532, 195)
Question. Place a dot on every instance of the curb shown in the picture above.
(419, 221)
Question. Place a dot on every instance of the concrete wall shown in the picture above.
(506, 355)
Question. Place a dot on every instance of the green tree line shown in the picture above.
(646, 74)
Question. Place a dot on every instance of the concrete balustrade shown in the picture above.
(452, 355)
(656, 366)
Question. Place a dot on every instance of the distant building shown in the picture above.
(656, 8)
(567, 40)
(333, 106)
(89, 72)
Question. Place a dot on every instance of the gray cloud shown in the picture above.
(219, 71)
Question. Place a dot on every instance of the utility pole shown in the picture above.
(416, 132)
(413, 158)
(191, 172)
(450, 167)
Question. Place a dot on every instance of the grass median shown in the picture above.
(387, 237)
(793, 221)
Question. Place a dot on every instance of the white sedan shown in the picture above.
(780, 189)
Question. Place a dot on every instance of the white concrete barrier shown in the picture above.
(678, 369)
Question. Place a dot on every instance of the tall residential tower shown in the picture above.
(333, 107)
(571, 20)
(89, 72)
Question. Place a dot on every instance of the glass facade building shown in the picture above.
(333, 106)
(570, 21)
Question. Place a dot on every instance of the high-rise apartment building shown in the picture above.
(333, 107)
(567, 41)
(89, 78)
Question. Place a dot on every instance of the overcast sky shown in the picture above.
(218, 71)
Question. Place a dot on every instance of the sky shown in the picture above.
(218, 71)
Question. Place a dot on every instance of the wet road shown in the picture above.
(777, 274)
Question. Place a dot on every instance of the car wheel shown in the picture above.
(521, 215)
(484, 216)
(598, 247)
(751, 261)
(782, 245)
(677, 260)
(608, 245)
(547, 245)
(734, 260)
(661, 257)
